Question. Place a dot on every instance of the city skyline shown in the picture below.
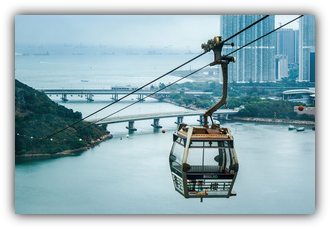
(164, 34)
(177, 31)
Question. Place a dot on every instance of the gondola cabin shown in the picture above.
(203, 162)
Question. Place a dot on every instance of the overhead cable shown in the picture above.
(82, 119)
(151, 94)
(136, 90)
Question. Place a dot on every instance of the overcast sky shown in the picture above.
(177, 31)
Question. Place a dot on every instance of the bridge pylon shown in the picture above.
(64, 97)
(130, 126)
(156, 123)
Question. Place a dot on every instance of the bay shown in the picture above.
(131, 175)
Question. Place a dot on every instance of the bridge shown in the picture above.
(222, 113)
(114, 92)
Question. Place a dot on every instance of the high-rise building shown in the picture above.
(306, 46)
(296, 46)
(312, 67)
(255, 62)
(285, 44)
(281, 67)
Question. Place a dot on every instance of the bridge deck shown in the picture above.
(109, 91)
(129, 118)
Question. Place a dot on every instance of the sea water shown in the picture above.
(130, 173)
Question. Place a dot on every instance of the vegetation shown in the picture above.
(254, 106)
(36, 117)
(203, 101)
(252, 97)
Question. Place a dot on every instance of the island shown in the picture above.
(37, 118)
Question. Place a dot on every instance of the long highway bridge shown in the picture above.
(114, 92)
(156, 116)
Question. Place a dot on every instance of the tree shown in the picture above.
(162, 85)
(293, 74)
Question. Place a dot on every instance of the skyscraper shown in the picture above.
(306, 46)
(255, 62)
(296, 47)
(285, 44)
(281, 67)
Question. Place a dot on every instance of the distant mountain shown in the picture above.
(37, 116)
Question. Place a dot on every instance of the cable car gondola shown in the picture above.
(203, 160)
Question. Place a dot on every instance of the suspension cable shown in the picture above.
(82, 119)
(176, 81)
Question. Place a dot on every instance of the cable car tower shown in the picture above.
(203, 160)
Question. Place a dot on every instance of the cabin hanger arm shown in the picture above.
(216, 46)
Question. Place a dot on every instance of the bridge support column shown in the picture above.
(64, 97)
(156, 123)
(89, 97)
(131, 126)
(201, 119)
(140, 97)
(179, 120)
(115, 96)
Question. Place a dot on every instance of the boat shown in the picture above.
(291, 127)
(300, 129)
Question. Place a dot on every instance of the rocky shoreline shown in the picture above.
(71, 152)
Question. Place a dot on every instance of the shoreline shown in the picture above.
(251, 119)
(274, 121)
(76, 152)
(70, 152)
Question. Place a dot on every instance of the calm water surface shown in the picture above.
(132, 175)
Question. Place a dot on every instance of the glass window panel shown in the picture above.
(177, 151)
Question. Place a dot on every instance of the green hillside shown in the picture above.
(37, 116)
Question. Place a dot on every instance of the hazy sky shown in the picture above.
(177, 31)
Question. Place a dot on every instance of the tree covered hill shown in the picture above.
(37, 116)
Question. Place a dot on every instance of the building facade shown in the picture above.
(286, 44)
(281, 67)
(256, 62)
(306, 46)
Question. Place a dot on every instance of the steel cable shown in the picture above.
(82, 119)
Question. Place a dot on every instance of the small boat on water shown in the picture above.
(300, 129)
(291, 127)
